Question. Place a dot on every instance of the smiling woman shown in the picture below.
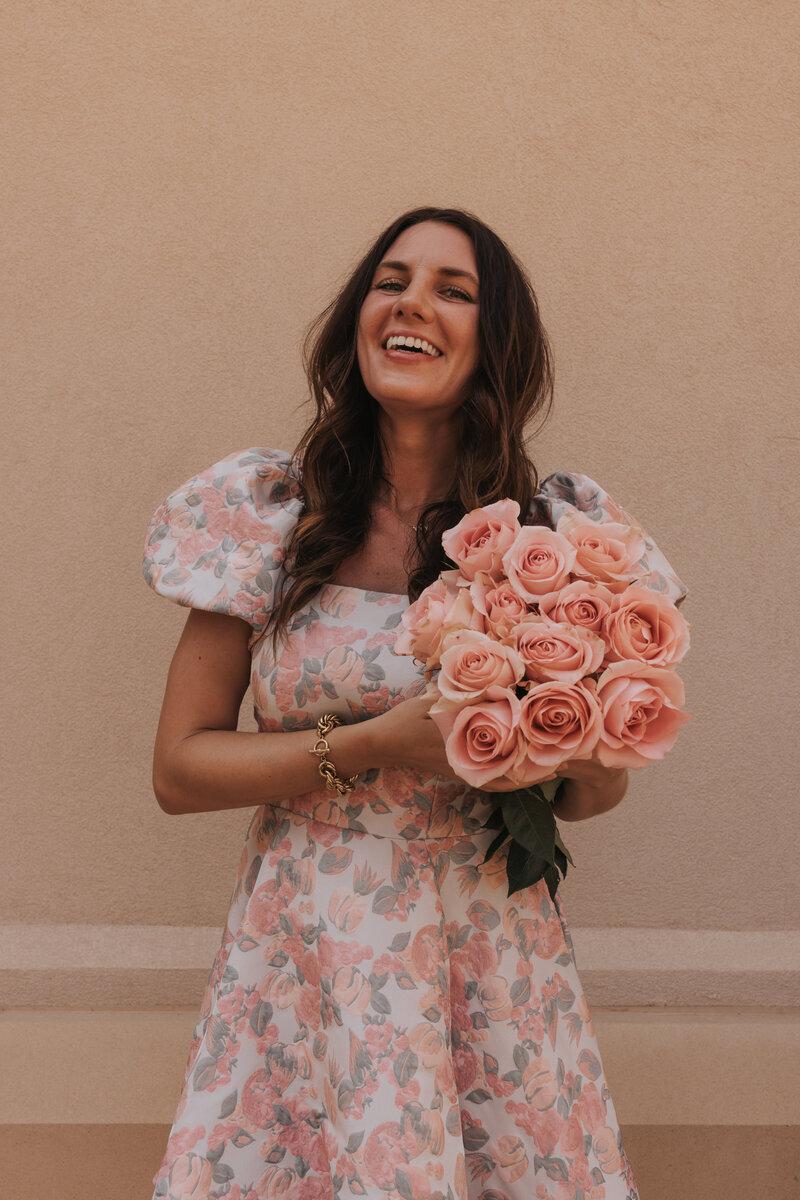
(381, 1020)
(418, 330)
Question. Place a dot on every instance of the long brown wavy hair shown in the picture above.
(340, 456)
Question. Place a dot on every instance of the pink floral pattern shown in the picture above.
(380, 1020)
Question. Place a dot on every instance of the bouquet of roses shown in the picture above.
(544, 646)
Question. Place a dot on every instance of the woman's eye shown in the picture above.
(458, 292)
(452, 292)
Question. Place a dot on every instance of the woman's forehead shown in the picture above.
(436, 245)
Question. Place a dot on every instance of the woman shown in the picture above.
(380, 1020)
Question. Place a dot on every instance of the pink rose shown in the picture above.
(646, 626)
(180, 521)
(604, 1144)
(465, 1065)
(481, 956)
(480, 739)
(479, 540)
(425, 952)
(275, 1183)
(510, 1157)
(499, 603)
(422, 620)
(280, 988)
(471, 663)
(426, 1040)
(351, 989)
(384, 1153)
(582, 603)
(461, 616)
(607, 552)
(642, 713)
(245, 561)
(190, 1175)
(494, 995)
(540, 1083)
(343, 666)
(539, 561)
(346, 910)
(589, 1108)
(571, 1136)
(558, 721)
(310, 1187)
(337, 601)
(553, 650)
(546, 1130)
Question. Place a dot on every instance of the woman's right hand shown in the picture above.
(407, 736)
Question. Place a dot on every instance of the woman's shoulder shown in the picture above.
(218, 542)
(569, 497)
(570, 491)
(264, 474)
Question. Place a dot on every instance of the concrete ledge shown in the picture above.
(699, 1067)
(671, 1162)
(165, 966)
(103, 987)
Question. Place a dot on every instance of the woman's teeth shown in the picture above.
(409, 343)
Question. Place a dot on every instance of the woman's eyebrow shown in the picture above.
(449, 272)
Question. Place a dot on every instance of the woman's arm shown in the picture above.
(202, 763)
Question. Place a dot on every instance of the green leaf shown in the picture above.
(495, 818)
(403, 1184)
(520, 992)
(536, 850)
(552, 879)
(524, 869)
(530, 821)
(473, 1137)
(550, 789)
(496, 844)
(560, 845)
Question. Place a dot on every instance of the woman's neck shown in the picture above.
(419, 462)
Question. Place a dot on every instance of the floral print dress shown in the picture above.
(380, 1020)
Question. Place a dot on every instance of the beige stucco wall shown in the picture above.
(184, 186)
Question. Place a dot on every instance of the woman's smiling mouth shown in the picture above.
(406, 345)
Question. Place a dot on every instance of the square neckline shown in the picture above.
(348, 587)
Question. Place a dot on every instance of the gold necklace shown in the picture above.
(397, 517)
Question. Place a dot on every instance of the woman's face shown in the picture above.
(426, 291)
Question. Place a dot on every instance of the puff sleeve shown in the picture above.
(566, 493)
(218, 543)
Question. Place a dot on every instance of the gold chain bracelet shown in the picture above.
(321, 749)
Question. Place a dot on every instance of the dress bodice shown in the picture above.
(339, 658)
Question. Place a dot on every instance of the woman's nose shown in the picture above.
(413, 302)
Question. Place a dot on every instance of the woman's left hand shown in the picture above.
(589, 788)
(588, 771)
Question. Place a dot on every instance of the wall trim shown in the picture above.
(165, 966)
(192, 947)
(663, 1068)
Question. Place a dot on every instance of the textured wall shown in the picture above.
(186, 185)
